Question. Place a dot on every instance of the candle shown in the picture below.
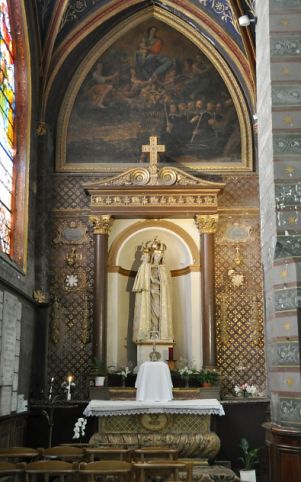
(170, 353)
(69, 388)
(50, 388)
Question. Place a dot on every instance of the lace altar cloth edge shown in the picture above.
(109, 408)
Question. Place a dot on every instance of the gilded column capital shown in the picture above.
(206, 223)
(101, 224)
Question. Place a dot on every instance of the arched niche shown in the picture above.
(101, 127)
(181, 257)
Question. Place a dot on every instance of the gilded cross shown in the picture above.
(153, 148)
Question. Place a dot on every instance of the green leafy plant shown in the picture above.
(98, 367)
(249, 456)
(209, 376)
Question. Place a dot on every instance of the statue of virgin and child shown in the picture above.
(153, 308)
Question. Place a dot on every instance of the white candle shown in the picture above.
(50, 389)
(69, 388)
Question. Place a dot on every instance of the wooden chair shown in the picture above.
(62, 452)
(106, 468)
(102, 453)
(18, 454)
(158, 467)
(47, 468)
(146, 453)
(14, 470)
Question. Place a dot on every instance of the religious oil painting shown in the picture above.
(152, 81)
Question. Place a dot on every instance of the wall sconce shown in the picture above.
(245, 20)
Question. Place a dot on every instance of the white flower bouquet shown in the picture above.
(186, 371)
(124, 372)
(79, 428)
(245, 390)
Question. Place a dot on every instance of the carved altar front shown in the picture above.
(184, 425)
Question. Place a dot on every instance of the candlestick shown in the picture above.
(51, 388)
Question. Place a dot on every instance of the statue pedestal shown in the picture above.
(145, 347)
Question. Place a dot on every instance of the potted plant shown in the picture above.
(208, 378)
(249, 458)
(99, 370)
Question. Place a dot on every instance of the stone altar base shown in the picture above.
(190, 434)
(213, 473)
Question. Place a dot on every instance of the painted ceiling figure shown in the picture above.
(151, 63)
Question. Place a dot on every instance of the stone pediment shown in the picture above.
(142, 176)
(153, 191)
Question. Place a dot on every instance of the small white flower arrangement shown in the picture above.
(186, 371)
(245, 390)
(79, 428)
(125, 372)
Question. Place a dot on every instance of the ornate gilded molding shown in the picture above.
(101, 224)
(40, 297)
(206, 224)
(156, 191)
(188, 200)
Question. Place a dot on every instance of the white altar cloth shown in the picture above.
(153, 382)
(109, 408)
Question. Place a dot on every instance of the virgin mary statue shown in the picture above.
(153, 310)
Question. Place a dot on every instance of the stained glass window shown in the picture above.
(7, 115)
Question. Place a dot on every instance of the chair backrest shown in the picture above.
(143, 453)
(18, 453)
(14, 471)
(50, 467)
(46, 468)
(102, 453)
(9, 468)
(62, 452)
(109, 467)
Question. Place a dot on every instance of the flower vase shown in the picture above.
(186, 382)
(245, 394)
(123, 384)
(247, 475)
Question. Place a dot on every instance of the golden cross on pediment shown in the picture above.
(153, 148)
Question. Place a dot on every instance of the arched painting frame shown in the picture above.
(78, 143)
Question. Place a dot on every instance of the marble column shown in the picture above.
(102, 225)
(207, 225)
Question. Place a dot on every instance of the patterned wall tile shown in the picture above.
(285, 354)
(287, 119)
(285, 71)
(287, 299)
(285, 22)
(285, 3)
(290, 410)
(288, 246)
(287, 144)
(290, 46)
(287, 169)
(288, 95)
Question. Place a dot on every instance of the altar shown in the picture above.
(183, 424)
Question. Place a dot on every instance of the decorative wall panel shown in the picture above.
(240, 342)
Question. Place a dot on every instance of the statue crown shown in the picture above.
(156, 245)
